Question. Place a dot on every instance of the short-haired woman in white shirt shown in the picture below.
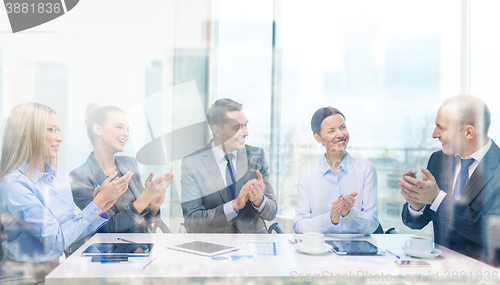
(337, 194)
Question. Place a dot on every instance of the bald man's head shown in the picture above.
(469, 110)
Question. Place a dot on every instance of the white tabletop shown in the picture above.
(292, 265)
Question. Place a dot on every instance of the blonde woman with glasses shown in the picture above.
(36, 207)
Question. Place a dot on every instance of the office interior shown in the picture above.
(387, 65)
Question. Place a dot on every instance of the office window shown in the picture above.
(107, 61)
(392, 211)
(485, 59)
(387, 65)
(244, 62)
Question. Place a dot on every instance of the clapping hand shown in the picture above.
(336, 211)
(157, 187)
(256, 190)
(160, 185)
(419, 193)
(243, 197)
(347, 202)
(408, 194)
(105, 195)
(342, 206)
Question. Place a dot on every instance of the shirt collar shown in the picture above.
(219, 154)
(49, 169)
(479, 154)
(35, 173)
(343, 165)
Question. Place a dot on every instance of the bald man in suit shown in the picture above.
(460, 188)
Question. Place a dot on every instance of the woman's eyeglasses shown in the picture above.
(54, 130)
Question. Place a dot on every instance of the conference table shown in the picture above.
(254, 263)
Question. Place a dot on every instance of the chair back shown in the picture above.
(276, 228)
(380, 230)
(493, 241)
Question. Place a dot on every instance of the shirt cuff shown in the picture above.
(414, 213)
(135, 215)
(229, 211)
(351, 216)
(91, 212)
(259, 209)
(134, 210)
(438, 200)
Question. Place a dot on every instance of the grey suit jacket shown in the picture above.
(204, 193)
(123, 218)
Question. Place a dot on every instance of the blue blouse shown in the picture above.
(319, 187)
(38, 215)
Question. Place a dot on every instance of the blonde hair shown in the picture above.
(24, 138)
(97, 115)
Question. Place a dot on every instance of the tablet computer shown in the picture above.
(203, 248)
(124, 249)
(353, 247)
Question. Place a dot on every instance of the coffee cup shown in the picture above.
(313, 240)
(420, 244)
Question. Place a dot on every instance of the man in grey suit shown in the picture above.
(225, 186)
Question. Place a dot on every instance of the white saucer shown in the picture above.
(308, 250)
(435, 252)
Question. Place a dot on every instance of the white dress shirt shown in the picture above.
(319, 186)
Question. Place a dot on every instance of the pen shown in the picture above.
(393, 254)
(125, 240)
(149, 263)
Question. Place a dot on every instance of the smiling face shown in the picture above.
(114, 133)
(333, 135)
(52, 140)
(453, 140)
(234, 131)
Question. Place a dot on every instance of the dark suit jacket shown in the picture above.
(461, 225)
(204, 193)
(122, 217)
